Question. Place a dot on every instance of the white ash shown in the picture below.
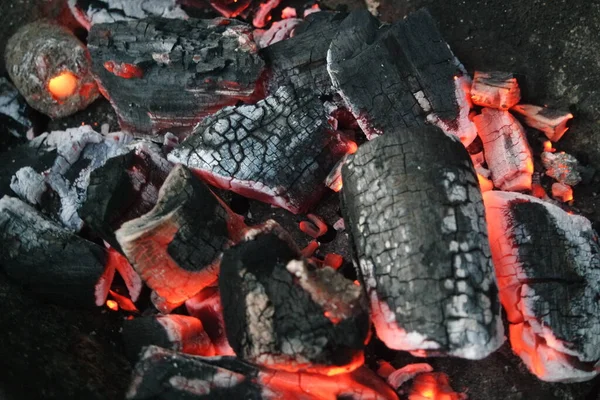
(29, 185)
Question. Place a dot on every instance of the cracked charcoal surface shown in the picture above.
(175, 246)
(553, 284)
(15, 114)
(394, 76)
(278, 151)
(46, 258)
(124, 188)
(413, 206)
(272, 319)
(300, 61)
(190, 69)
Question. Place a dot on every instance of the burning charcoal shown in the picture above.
(562, 192)
(89, 13)
(398, 377)
(498, 90)
(124, 188)
(301, 60)
(424, 82)
(552, 122)
(263, 13)
(168, 375)
(562, 166)
(14, 112)
(230, 8)
(284, 313)
(176, 246)
(162, 74)
(412, 203)
(48, 259)
(51, 69)
(548, 268)
(174, 332)
(278, 151)
(279, 31)
(78, 152)
(433, 385)
(506, 149)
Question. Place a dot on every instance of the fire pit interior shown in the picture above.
(285, 199)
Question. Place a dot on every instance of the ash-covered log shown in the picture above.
(51, 68)
(162, 74)
(176, 247)
(301, 61)
(412, 203)
(124, 188)
(506, 148)
(164, 374)
(180, 333)
(48, 259)
(279, 151)
(281, 312)
(91, 12)
(403, 75)
(548, 269)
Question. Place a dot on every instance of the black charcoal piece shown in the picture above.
(283, 313)
(412, 203)
(548, 269)
(15, 114)
(90, 12)
(176, 246)
(51, 68)
(174, 332)
(166, 75)
(400, 75)
(46, 258)
(164, 374)
(124, 188)
(301, 61)
(279, 151)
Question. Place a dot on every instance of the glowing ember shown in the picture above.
(548, 146)
(314, 227)
(63, 85)
(434, 386)
(562, 192)
(495, 89)
(262, 15)
(112, 305)
(288, 12)
(124, 70)
(552, 122)
(333, 260)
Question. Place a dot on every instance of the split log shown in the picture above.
(46, 258)
(165, 374)
(548, 269)
(281, 312)
(278, 151)
(552, 122)
(51, 68)
(176, 247)
(412, 203)
(495, 89)
(403, 75)
(180, 333)
(166, 75)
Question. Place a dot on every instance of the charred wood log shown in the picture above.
(180, 333)
(283, 313)
(279, 30)
(548, 269)
(403, 75)
(15, 114)
(163, 374)
(46, 258)
(278, 151)
(89, 13)
(162, 74)
(176, 247)
(301, 61)
(124, 188)
(51, 68)
(412, 203)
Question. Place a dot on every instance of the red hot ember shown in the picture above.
(552, 122)
(495, 90)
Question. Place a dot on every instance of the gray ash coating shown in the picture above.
(412, 202)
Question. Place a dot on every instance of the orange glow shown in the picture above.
(548, 146)
(484, 183)
(63, 85)
(562, 192)
(288, 12)
(352, 147)
(538, 191)
(112, 305)
(310, 249)
(314, 227)
(333, 260)
(434, 386)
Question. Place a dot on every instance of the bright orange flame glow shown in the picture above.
(112, 305)
(63, 85)
(548, 146)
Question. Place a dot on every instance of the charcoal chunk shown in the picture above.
(14, 111)
(278, 151)
(403, 75)
(412, 203)
(46, 258)
(283, 313)
(548, 268)
(166, 75)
